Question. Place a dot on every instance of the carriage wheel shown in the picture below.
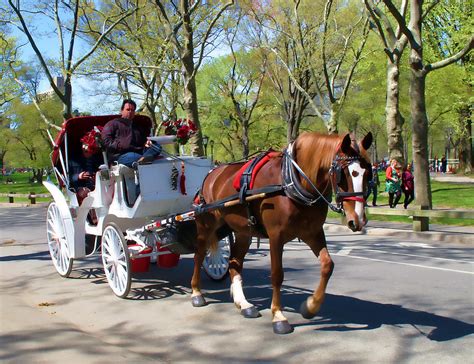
(116, 260)
(57, 241)
(216, 263)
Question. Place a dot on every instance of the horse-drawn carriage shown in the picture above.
(287, 199)
(132, 215)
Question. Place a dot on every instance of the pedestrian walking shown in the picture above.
(393, 183)
(373, 185)
(408, 186)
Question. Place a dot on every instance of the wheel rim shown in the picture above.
(116, 261)
(216, 263)
(57, 241)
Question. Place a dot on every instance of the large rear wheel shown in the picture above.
(216, 262)
(116, 260)
(58, 243)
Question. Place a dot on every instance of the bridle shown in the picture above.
(338, 165)
(296, 192)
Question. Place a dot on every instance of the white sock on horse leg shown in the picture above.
(237, 293)
(278, 316)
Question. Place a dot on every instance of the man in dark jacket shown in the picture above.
(126, 142)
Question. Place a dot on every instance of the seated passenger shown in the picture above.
(126, 142)
(83, 167)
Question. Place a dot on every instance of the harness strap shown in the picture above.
(293, 188)
(271, 190)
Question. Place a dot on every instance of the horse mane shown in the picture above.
(315, 152)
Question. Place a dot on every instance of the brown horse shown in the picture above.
(309, 170)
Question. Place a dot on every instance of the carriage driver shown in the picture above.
(126, 142)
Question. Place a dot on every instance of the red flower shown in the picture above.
(182, 128)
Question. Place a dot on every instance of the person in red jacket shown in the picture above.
(393, 183)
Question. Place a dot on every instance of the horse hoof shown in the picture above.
(304, 311)
(250, 312)
(282, 327)
(198, 301)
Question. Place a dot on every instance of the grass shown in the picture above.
(444, 194)
(21, 184)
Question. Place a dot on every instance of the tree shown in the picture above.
(191, 26)
(65, 16)
(31, 143)
(419, 71)
(394, 42)
(319, 53)
(9, 90)
(139, 53)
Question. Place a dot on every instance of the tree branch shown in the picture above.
(454, 58)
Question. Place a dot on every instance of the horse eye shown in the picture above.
(355, 173)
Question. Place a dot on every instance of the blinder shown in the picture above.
(336, 170)
(338, 165)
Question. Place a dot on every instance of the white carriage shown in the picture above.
(141, 214)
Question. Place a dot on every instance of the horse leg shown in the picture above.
(197, 299)
(236, 261)
(311, 306)
(279, 321)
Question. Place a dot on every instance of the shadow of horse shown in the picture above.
(338, 313)
(345, 313)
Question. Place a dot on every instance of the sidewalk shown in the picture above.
(437, 233)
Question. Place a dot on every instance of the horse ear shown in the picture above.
(346, 144)
(367, 141)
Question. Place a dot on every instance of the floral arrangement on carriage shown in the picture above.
(182, 128)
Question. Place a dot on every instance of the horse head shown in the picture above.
(350, 172)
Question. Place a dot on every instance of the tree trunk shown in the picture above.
(38, 175)
(392, 111)
(190, 102)
(333, 119)
(67, 100)
(420, 131)
(465, 146)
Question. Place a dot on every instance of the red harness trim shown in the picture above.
(354, 198)
(258, 166)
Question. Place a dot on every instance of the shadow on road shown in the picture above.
(31, 256)
(338, 313)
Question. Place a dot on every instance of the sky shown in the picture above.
(84, 90)
(85, 94)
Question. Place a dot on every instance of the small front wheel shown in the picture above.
(58, 243)
(116, 260)
(216, 262)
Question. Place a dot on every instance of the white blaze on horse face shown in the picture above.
(357, 175)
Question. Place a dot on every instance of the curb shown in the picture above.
(25, 204)
(434, 236)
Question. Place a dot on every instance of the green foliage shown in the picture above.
(30, 145)
(9, 89)
(217, 112)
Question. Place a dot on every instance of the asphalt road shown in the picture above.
(389, 301)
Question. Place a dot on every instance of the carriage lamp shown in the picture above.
(205, 140)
